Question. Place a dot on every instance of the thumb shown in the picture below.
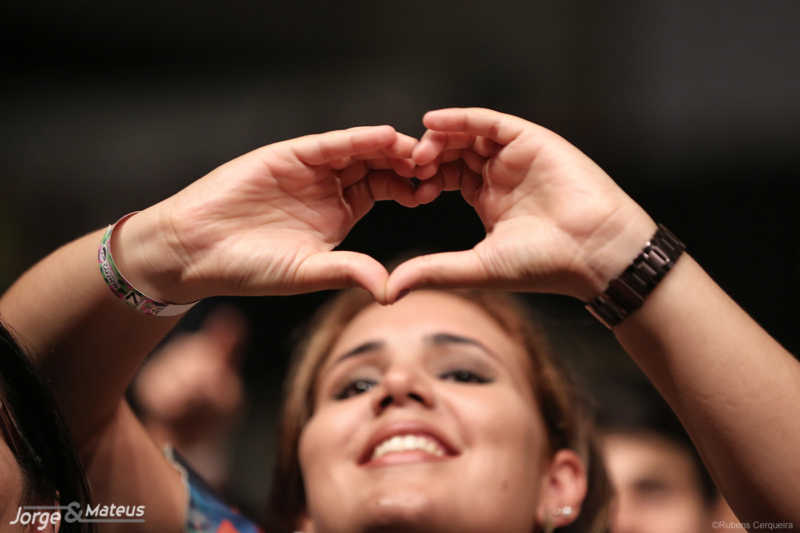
(441, 270)
(224, 331)
(338, 270)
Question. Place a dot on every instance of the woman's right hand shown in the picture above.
(267, 222)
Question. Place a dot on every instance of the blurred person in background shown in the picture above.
(189, 394)
(268, 222)
(660, 483)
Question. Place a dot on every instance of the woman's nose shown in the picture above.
(403, 387)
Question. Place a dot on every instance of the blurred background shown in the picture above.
(692, 107)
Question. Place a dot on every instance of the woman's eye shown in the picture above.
(463, 376)
(355, 387)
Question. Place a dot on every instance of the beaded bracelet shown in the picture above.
(123, 289)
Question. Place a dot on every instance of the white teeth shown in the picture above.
(403, 443)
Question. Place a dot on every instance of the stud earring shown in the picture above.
(564, 511)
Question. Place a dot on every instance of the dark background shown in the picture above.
(692, 108)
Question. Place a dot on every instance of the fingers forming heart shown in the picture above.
(520, 178)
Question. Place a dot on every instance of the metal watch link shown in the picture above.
(627, 293)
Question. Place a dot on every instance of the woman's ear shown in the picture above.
(563, 489)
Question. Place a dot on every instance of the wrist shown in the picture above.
(616, 246)
(144, 257)
(627, 293)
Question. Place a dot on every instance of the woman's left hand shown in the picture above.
(555, 221)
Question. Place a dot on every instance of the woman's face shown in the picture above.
(424, 420)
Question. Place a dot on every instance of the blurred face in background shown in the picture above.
(424, 419)
(656, 485)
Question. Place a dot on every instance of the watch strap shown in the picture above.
(627, 293)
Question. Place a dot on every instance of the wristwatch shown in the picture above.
(627, 293)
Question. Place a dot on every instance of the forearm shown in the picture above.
(87, 343)
(736, 390)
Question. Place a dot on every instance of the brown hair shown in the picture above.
(563, 411)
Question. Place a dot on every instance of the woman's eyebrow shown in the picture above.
(434, 338)
(369, 346)
(450, 338)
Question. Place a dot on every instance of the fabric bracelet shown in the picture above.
(123, 289)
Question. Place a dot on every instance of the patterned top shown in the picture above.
(207, 513)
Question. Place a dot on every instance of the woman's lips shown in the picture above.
(406, 442)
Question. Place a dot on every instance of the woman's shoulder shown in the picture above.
(207, 512)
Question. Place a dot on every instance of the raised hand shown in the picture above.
(192, 384)
(555, 221)
(267, 222)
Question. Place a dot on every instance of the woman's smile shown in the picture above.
(405, 442)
